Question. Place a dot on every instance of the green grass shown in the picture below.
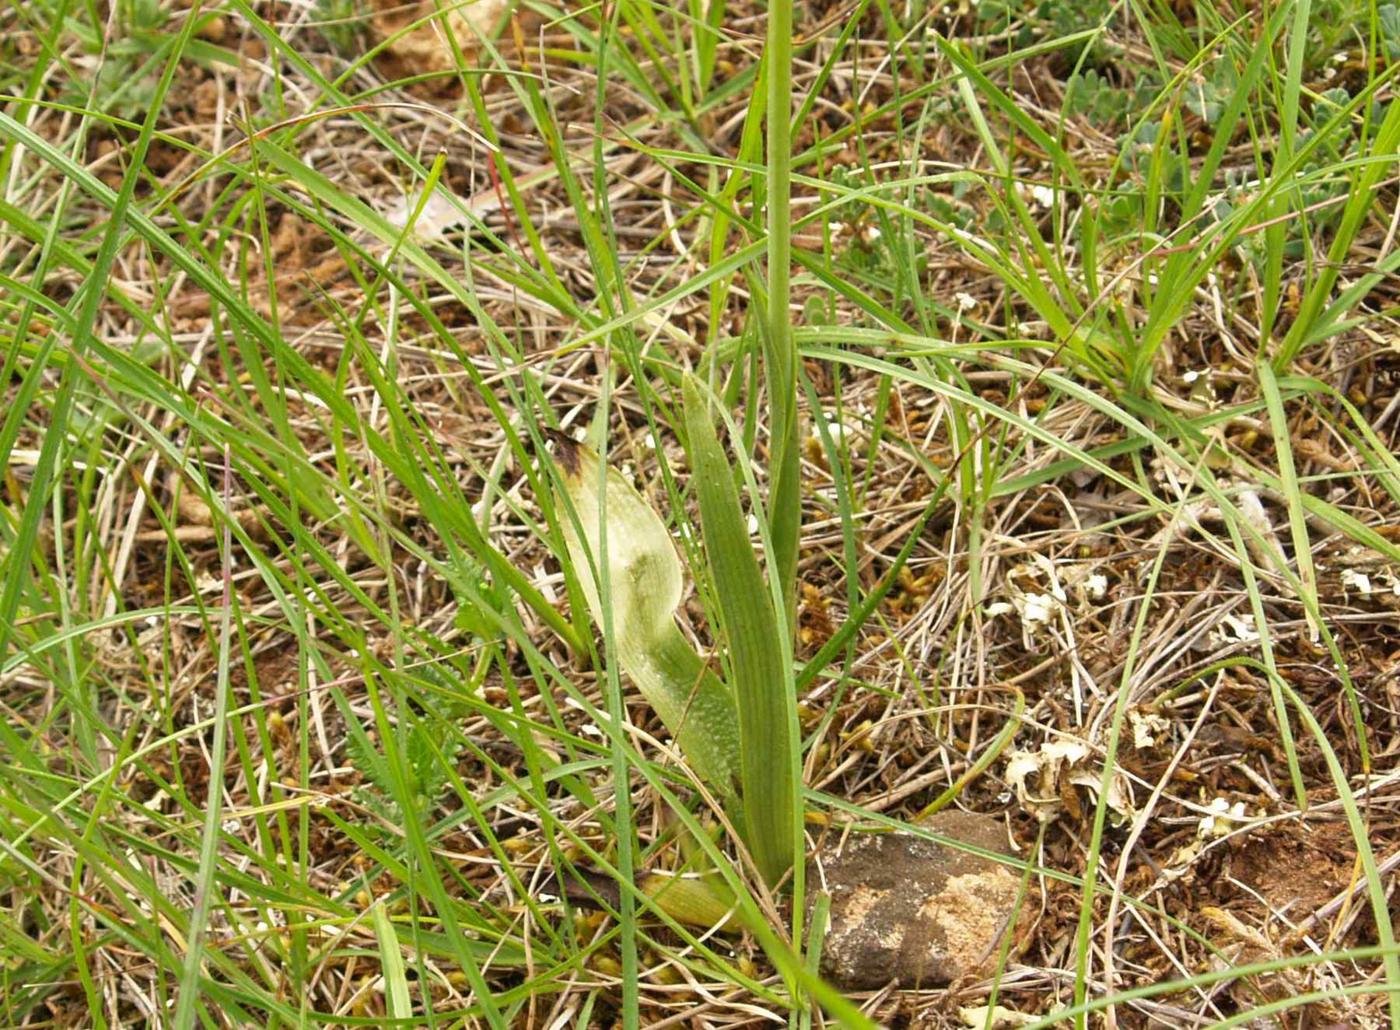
(886, 311)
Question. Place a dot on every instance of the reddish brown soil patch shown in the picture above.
(1297, 870)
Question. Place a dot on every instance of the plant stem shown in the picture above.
(785, 494)
(785, 499)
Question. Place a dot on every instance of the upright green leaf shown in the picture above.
(770, 768)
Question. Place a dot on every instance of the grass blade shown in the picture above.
(185, 1010)
(1288, 476)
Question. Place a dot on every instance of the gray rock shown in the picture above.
(907, 910)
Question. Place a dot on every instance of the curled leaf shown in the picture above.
(643, 586)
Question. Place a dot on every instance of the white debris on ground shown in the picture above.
(1060, 763)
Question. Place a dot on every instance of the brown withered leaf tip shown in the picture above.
(590, 889)
(565, 451)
